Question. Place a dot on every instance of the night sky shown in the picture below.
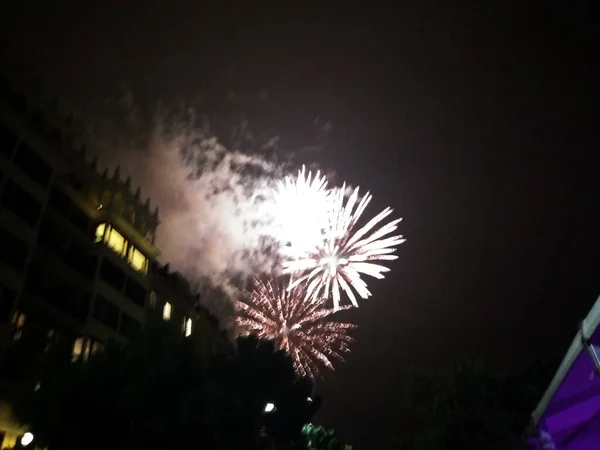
(473, 121)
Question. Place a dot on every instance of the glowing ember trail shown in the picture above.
(303, 329)
(344, 254)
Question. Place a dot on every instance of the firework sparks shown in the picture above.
(303, 329)
(343, 254)
(301, 205)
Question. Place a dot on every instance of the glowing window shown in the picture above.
(83, 348)
(167, 311)
(116, 241)
(187, 326)
(87, 346)
(78, 348)
(137, 260)
(100, 232)
(19, 319)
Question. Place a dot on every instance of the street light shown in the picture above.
(269, 407)
(26, 439)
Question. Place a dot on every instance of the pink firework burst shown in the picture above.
(303, 329)
(344, 253)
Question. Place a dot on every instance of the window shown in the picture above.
(13, 251)
(106, 313)
(129, 326)
(152, 299)
(100, 232)
(33, 165)
(112, 238)
(8, 140)
(112, 274)
(20, 203)
(60, 242)
(84, 347)
(187, 326)
(135, 292)
(78, 349)
(137, 260)
(115, 240)
(18, 322)
(19, 319)
(167, 311)
(56, 288)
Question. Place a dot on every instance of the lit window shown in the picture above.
(18, 321)
(116, 241)
(152, 299)
(100, 232)
(137, 260)
(187, 326)
(78, 348)
(84, 347)
(111, 237)
(167, 311)
(87, 347)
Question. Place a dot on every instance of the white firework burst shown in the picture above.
(300, 207)
(343, 254)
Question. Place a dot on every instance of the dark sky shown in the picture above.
(474, 120)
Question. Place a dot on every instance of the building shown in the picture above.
(77, 249)
(171, 298)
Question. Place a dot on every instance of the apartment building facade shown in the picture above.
(77, 249)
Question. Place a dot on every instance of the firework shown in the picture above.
(303, 329)
(343, 254)
(301, 209)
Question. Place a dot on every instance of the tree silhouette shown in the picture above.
(157, 392)
(470, 406)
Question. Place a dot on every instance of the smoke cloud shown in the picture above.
(214, 220)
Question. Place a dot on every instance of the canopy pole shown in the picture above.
(591, 350)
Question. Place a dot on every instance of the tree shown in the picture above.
(158, 393)
(319, 438)
(470, 406)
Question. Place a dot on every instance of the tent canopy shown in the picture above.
(568, 416)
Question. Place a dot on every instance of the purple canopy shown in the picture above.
(568, 416)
